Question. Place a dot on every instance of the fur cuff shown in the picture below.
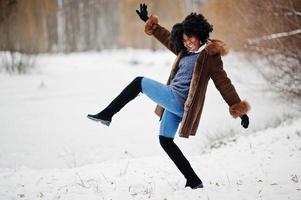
(149, 24)
(239, 109)
(214, 47)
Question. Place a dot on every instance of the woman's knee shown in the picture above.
(137, 82)
(165, 142)
(138, 79)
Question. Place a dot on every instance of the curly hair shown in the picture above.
(197, 25)
(176, 37)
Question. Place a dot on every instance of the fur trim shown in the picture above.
(239, 109)
(149, 28)
(214, 47)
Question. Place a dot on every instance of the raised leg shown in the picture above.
(127, 94)
(155, 90)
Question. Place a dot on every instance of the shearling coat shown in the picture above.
(209, 65)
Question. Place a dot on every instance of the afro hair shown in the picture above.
(176, 37)
(197, 25)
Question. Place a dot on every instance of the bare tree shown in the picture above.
(13, 60)
(281, 47)
(88, 24)
(269, 29)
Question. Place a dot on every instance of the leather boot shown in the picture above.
(128, 93)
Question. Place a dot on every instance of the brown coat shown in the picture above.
(204, 69)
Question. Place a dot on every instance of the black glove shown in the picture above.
(245, 121)
(143, 12)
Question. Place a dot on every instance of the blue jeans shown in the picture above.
(162, 95)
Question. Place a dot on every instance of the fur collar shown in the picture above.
(214, 47)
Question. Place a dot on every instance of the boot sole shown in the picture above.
(199, 186)
(107, 123)
(196, 187)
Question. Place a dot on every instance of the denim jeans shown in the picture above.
(162, 95)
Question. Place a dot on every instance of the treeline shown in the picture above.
(37, 26)
(270, 29)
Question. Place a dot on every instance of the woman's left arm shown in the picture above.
(237, 107)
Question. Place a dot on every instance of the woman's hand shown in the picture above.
(245, 121)
(143, 12)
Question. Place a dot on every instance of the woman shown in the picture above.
(182, 98)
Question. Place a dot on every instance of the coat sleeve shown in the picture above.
(224, 85)
(160, 33)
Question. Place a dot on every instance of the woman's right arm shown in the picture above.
(153, 28)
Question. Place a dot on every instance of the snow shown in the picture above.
(50, 150)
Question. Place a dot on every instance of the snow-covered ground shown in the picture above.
(50, 150)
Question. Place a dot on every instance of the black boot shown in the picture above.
(127, 94)
(175, 154)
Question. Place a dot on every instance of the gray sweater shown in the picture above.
(181, 83)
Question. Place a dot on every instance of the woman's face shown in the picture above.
(191, 43)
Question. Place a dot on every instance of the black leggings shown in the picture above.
(180, 161)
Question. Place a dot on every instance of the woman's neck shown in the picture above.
(199, 49)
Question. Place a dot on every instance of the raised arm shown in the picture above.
(153, 28)
(160, 33)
